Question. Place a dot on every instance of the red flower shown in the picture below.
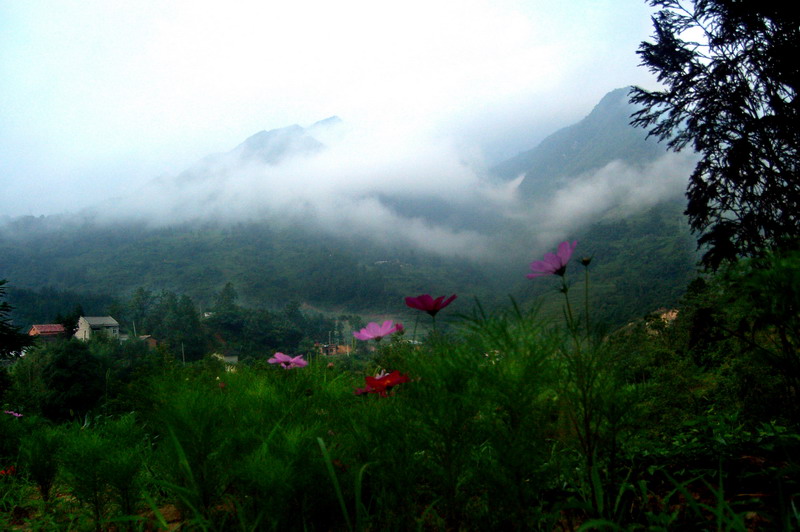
(382, 382)
(9, 471)
(427, 304)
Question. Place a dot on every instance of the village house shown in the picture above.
(151, 342)
(332, 349)
(89, 325)
(47, 331)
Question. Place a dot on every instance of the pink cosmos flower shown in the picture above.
(553, 263)
(427, 304)
(373, 331)
(288, 362)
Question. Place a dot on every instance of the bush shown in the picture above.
(39, 458)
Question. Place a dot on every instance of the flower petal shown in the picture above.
(565, 250)
(279, 358)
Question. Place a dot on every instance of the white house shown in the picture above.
(89, 325)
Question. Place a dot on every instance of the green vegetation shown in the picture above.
(276, 265)
(647, 257)
(12, 340)
(502, 420)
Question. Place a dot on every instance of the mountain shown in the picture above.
(274, 146)
(642, 250)
(563, 161)
(269, 148)
(604, 136)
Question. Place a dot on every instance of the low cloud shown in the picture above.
(616, 189)
(388, 187)
(344, 189)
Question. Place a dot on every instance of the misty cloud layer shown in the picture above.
(388, 187)
(617, 188)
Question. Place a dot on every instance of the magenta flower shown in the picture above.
(553, 263)
(427, 304)
(288, 362)
(12, 413)
(373, 331)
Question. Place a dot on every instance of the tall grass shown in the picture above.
(507, 422)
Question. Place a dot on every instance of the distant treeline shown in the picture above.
(185, 331)
(640, 263)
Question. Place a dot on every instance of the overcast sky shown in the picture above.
(98, 97)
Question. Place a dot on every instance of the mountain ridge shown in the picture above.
(582, 147)
(273, 258)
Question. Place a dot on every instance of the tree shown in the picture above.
(12, 342)
(175, 321)
(730, 75)
(70, 321)
(73, 378)
(141, 303)
(59, 379)
(226, 299)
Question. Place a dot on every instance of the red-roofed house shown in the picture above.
(46, 329)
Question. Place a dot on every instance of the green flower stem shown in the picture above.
(586, 298)
(570, 317)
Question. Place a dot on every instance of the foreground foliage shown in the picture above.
(498, 421)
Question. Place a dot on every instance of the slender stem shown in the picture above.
(586, 298)
(570, 318)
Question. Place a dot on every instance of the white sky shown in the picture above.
(97, 97)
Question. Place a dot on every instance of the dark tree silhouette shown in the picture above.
(730, 73)
(12, 341)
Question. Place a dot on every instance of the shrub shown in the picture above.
(39, 458)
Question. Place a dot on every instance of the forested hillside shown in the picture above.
(640, 263)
